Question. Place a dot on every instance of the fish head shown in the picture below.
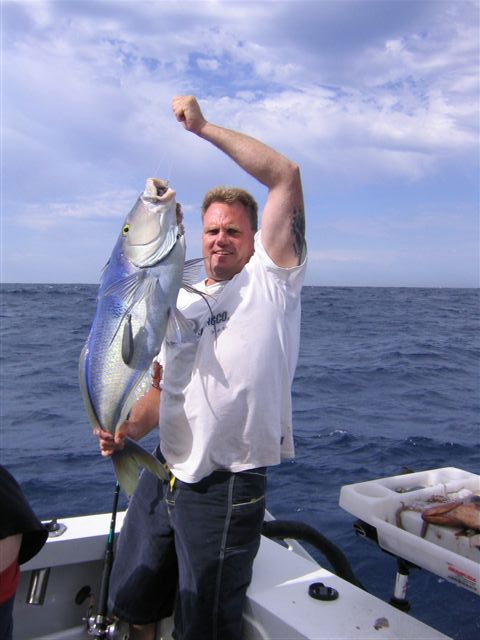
(151, 229)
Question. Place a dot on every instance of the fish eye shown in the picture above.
(125, 230)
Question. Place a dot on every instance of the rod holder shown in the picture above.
(38, 586)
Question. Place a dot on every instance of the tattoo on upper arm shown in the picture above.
(298, 230)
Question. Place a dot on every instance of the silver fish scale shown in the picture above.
(113, 385)
(110, 385)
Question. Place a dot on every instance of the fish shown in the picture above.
(135, 311)
(456, 513)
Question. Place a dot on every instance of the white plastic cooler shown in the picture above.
(394, 506)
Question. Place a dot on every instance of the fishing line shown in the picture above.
(156, 175)
(160, 163)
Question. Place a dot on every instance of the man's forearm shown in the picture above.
(256, 158)
(144, 414)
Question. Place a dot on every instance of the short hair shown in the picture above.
(229, 195)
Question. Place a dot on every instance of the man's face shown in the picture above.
(227, 240)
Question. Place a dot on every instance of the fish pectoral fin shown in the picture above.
(129, 460)
(145, 287)
(179, 329)
(127, 289)
(127, 340)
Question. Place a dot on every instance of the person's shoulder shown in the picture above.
(261, 254)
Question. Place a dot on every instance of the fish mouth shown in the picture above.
(158, 190)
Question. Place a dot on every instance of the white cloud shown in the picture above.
(54, 215)
(356, 92)
(208, 64)
(100, 84)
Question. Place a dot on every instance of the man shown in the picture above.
(225, 406)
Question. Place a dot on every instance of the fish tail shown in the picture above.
(129, 460)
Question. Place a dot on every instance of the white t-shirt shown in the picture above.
(226, 399)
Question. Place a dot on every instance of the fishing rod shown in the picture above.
(99, 625)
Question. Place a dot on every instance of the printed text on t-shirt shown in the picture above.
(216, 321)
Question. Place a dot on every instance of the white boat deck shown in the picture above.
(278, 604)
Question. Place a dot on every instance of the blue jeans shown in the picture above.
(192, 546)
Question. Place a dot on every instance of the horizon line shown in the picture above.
(329, 286)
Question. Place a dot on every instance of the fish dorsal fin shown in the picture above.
(206, 297)
(179, 328)
(192, 271)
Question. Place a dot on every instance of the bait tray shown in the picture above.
(393, 506)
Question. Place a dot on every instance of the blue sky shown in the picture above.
(378, 102)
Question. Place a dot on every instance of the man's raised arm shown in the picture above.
(283, 218)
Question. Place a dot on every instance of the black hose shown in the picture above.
(283, 529)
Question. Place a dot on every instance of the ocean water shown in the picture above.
(388, 379)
